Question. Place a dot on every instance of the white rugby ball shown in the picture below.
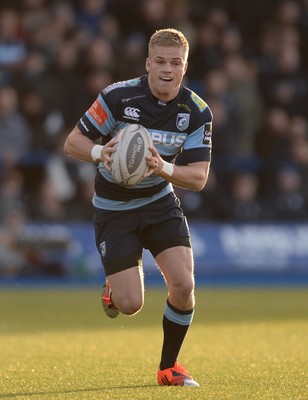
(129, 160)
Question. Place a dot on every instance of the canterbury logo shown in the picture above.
(133, 113)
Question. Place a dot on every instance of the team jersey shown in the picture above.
(181, 131)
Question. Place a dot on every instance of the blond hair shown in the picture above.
(169, 38)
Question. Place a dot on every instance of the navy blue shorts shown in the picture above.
(121, 236)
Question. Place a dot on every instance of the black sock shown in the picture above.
(175, 326)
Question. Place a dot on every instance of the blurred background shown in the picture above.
(248, 61)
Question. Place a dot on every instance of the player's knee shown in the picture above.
(183, 289)
(130, 306)
(187, 290)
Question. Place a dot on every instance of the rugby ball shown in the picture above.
(129, 160)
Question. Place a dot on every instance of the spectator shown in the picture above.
(153, 16)
(208, 204)
(248, 104)
(12, 196)
(13, 260)
(15, 136)
(98, 54)
(62, 87)
(94, 80)
(215, 88)
(89, 16)
(34, 110)
(244, 204)
(273, 144)
(32, 73)
(12, 45)
(179, 17)
(206, 54)
(288, 13)
(287, 86)
(299, 149)
(47, 205)
(288, 202)
(133, 51)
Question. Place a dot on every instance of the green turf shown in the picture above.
(243, 344)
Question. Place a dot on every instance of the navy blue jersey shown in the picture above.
(180, 129)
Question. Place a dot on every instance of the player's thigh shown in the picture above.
(176, 264)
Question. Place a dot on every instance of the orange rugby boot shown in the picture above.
(109, 308)
(175, 376)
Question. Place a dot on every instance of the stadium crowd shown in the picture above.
(249, 62)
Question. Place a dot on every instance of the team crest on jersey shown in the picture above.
(102, 248)
(182, 121)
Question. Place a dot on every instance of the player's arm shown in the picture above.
(82, 148)
(192, 176)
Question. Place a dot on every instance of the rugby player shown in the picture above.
(148, 215)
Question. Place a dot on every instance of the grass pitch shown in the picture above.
(243, 344)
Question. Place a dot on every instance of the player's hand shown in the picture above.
(155, 162)
(108, 149)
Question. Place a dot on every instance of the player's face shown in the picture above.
(166, 67)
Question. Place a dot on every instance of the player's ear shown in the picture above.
(147, 65)
(185, 67)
